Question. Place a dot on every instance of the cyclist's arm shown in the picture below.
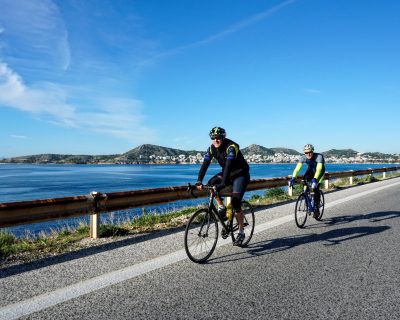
(297, 169)
(318, 171)
(206, 163)
(232, 152)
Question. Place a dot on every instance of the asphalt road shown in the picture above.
(346, 266)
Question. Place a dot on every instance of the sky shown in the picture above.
(102, 77)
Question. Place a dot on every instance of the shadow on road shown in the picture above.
(328, 238)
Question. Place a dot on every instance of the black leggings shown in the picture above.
(239, 185)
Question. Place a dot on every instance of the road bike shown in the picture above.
(201, 234)
(305, 205)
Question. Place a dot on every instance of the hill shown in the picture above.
(342, 153)
(148, 153)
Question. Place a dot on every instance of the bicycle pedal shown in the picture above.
(224, 234)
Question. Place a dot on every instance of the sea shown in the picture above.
(20, 182)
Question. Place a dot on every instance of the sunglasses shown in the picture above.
(308, 152)
(216, 138)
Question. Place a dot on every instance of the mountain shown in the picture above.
(342, 153)
(60, 158)
(257, 149)
(263, 151)
(148, 153)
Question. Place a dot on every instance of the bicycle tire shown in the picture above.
(321, 206)
(301, 211)
(249, 223)
(201, 235)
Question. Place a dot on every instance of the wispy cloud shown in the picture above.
(222, 34)
(37, 32)
(113, 116)
(15, 136)
(118, 117)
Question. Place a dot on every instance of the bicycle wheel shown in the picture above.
(248, 221)
(201, 235)
(300, 212)
(321, 206)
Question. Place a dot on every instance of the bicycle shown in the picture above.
(305, 205)
(201, 234)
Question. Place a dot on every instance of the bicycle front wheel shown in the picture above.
(201, 235)
(321, 206)
(300, 211)
(248, 223)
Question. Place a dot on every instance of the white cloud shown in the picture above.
(45, 98)
(114, 116)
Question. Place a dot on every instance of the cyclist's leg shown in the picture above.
(317, 194)
(239, 186)
(217, 179)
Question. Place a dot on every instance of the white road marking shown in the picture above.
(49, 299)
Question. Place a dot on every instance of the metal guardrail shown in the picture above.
(25, 212)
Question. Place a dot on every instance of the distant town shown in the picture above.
(152, 154)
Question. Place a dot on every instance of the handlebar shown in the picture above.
(209, 188)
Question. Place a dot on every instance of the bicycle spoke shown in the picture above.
(201, 236)
(301, 211)
(248, 223)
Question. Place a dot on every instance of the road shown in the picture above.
(346, 266)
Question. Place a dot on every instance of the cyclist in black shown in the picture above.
(235, 172)
(315, 171)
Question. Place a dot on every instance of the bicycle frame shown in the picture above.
(212, 209)
(309, 198)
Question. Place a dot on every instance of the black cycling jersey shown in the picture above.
(229, 157)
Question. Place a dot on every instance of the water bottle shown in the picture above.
(229, 212)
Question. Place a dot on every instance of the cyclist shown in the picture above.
(315, 171)
(235, 172)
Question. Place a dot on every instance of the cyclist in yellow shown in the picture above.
(235, 172)
(315, 171)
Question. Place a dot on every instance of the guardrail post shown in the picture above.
(94, 225)
(95, 197)
(326, 184)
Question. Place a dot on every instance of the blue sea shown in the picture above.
(20, 182)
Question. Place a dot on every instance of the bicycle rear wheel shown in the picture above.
(248, 221)
(321, 206)
(201, 235)
(300, 212)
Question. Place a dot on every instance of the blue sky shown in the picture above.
(103, 77)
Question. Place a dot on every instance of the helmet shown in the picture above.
(217, 132)
(308, 148)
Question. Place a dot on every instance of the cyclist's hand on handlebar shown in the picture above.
(314, 183)
(199, 185)
(292, 182)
